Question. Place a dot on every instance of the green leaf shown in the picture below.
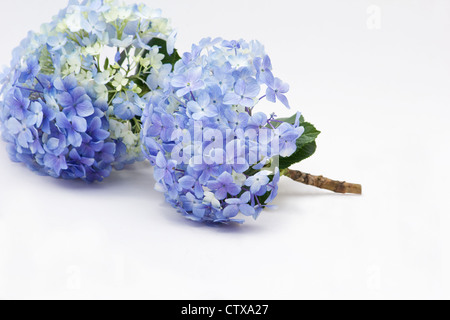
(302, 153)
(310, 134)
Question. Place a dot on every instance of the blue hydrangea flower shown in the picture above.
(276, 91)
(72, 128)
(76, 102)
(202, 108)
(263, 68)
(69, 108)
(224, 185)
(241, 205)
(188, 82)
(287, 137)
(17, 103)
(244, 93)
(21, 130)
(214, 154)
(35, 116)
(94, 24)
(125, 109)
(57, 42)
(30, 70)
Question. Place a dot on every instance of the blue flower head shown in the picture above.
(69, 109)
(215, 154)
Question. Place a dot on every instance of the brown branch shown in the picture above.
(323, 183)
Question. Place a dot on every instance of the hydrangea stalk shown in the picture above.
(323, 183)
(72, 100)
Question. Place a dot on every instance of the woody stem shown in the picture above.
(323, 183)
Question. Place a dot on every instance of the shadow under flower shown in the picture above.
(175, 217)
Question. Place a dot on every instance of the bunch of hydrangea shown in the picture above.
(72, 101)
(215, 155)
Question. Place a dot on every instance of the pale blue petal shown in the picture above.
(245, 198)
(270, 95)
(159, 174)
(252, 90)
(231, 99)
(161, 161)
(221, 194)
(85, 109)
(234, 190)
(247, 210)
(231, 211)
(187, 182)
(14, 126)
(179, 81)
(79, 124)
(283, 100)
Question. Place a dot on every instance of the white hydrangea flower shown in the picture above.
(155, 58)
(210, 198)
(124, 13)
(73, 18)
(61, 27)
(84, 76)
(119, 81)
(239, 61)
(111, 15)
(130, 139)
(174, 104)
(239, 178)
(124, 43)
(147, 13)
(93, 50)
(161, 25)
(103, 77)
(73, 63)
(116, 128)
(51, 102)
(102, 91)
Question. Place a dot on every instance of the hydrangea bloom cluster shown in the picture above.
(72, 101)
(215, 155)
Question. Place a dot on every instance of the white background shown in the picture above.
(374, 76)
